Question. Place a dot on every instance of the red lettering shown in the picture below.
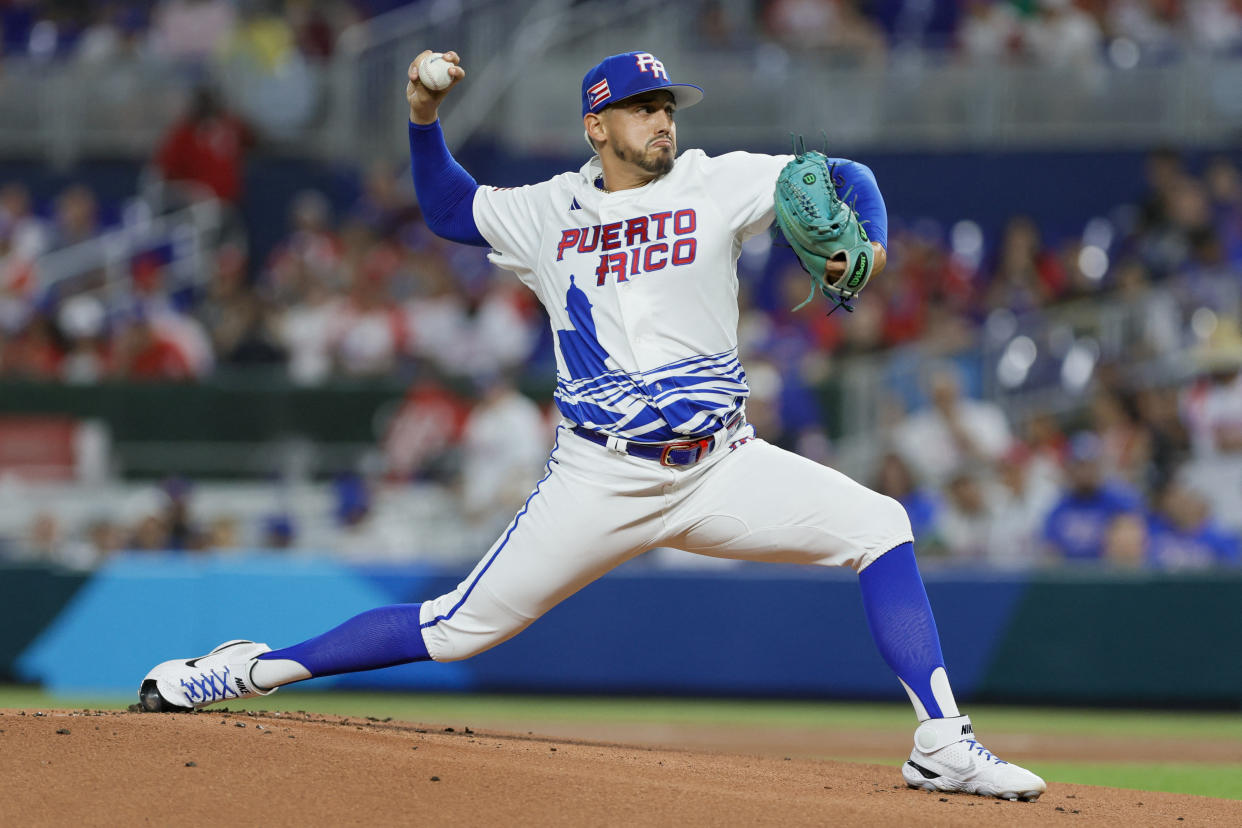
(684, 251)
(635, 231)
(635, 255)
(684, 222)
(583, 247)
(659, 219)
(611, 236)
(610, 263)
(568, 239)
(649, 261)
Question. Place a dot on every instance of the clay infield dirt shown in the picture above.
(272, 769)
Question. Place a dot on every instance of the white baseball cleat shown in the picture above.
(947, 757)
(180, 686)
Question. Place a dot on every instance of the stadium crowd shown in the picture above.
(996, 465)
(1047, 32)
(1137, 473)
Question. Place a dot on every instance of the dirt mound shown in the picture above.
(113, 767)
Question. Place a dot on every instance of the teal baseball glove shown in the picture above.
(819, 225)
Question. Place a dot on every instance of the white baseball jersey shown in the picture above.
(640, 285)
(641, 288)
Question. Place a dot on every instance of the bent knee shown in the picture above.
(893, 516)
(887, 525)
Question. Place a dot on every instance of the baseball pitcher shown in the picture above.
(634, 257)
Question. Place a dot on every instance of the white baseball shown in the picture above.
(434, 72)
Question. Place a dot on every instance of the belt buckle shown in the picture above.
(703, 446)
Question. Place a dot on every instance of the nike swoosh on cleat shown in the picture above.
(192, 663)
(927, 774)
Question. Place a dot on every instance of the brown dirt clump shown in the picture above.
(118, 768)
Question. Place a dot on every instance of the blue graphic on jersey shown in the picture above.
(684, 399)
(584, 356)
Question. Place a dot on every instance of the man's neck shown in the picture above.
(618, 177)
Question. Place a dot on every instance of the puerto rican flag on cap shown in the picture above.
(622, 76)
(599, 93)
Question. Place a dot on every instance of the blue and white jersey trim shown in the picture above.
(682, 400)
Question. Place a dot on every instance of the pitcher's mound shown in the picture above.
(118, 768)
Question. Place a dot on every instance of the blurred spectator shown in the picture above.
(1213, 404)
(270, 80)
(368, 332)
(1181, 534)
(87, 360)
(1078, 527)
(145, 354)
(114, 31)
(387, 205)
(303, 330)
(1212, 411)
(23, 236)
(1126, 452)
(182, 532)
(1224, 186)
(1063, 36)
(104, 539)
(362, 534)
(1152, 25)
(77, 217)
(952, 430)
(834, 29)
(236, 319)
(967, 519)
(202, 153)
(504, 446)
(1214, 25)
(311, 256)
(312, 28)
(1125, 542)
(1026, 274)
(279, 532)
(1163, 169)
(192, 30)
(424, 430)
(1022, 498)
(1152, 326)
(990, 31)
(34, 352)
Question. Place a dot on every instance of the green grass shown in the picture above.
(433, 707)
(1215, 779)
(1221, 780)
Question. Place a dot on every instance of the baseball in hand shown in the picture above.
(433, 72)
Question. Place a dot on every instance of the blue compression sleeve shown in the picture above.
(864, 195)
(377, 638)
(903, 627)
(445, 190)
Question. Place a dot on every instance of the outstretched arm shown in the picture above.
(445, 190)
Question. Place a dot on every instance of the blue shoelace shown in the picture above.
(984, 752)
(209, 686)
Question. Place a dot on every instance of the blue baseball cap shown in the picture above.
(622, 76)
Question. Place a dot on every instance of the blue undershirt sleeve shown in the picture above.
(445, 190)
(864, 195)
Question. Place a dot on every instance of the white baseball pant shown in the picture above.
(596, 508)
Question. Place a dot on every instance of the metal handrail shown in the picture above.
(188, 230)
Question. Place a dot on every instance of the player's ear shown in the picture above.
(595, 130)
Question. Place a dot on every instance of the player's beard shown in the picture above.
(657, 162)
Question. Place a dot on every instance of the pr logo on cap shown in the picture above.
(647, 62)
(622, 76)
